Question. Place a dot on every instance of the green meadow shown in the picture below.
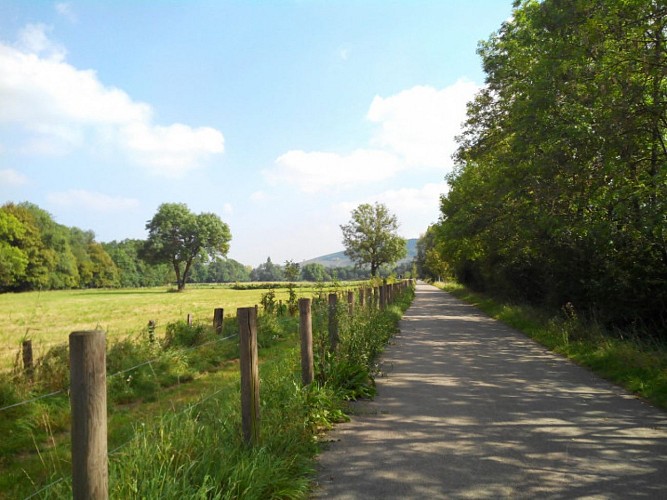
(47, 318)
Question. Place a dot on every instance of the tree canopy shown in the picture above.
(370, 237)
(560, 193)
(178, 237)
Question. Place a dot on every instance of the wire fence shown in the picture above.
(124, 371)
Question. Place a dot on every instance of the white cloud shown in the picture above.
(64, 108)
(11, 178)
(227, 209)
(312, 172)
(420, 123)
(91, 200)
(170, 150)
(33, 39)
(417, 128)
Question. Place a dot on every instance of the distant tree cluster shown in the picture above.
(36, 253)
(560, 195)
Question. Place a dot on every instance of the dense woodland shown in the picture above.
(560, 194)
(37, 253)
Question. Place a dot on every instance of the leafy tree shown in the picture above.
(292, 270)
(178, 237)
(429, 260)
(268, 271)
(315, 272)
(219, 270)
(13, 260)
(370, 237)
(133, 270)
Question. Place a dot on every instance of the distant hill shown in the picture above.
(339, 259)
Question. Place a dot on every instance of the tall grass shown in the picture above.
(626, 358)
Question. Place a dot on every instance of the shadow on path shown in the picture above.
(469, 408)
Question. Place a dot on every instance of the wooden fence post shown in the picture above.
(362, 298)
(383, 297)
(333, 321)
(26, 353)
(247, 317)
(306, 331)
(88, 400)
(189, 320)
(218, 319)
(350, 303)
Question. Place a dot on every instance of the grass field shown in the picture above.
(47, 318)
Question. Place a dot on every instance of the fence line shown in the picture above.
(250, 389)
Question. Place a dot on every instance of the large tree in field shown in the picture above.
(370, 237)
(178, 237)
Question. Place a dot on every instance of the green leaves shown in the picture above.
(177, 236)
(560, 191)
(370, 237)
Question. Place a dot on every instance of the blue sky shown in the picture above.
(280, 116)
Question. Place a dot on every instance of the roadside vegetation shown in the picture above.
(174, 407)
(636, 360)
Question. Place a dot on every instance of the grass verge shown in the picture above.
(624, 358)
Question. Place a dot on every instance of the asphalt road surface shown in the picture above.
(470, 408)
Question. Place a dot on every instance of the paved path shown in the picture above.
(470, 408)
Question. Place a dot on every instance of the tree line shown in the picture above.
(37, 253)
(560, 191)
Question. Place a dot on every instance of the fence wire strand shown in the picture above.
(62, 391)
(32, 400)
(187, 349)
(50, 485)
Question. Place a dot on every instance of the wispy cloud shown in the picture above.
(91, 200)
(66, 10)
(63, 108)
(312, 172)
(11, 178)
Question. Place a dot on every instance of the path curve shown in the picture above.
(470, 408)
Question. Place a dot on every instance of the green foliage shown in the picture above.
(178, 237)
(370, 237)
(268, 301)
(133, 270)
(314, 272)
(181, 334)
(268, 271)
(38, 253)
(561, 186)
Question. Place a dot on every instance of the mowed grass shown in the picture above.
(47, 318)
